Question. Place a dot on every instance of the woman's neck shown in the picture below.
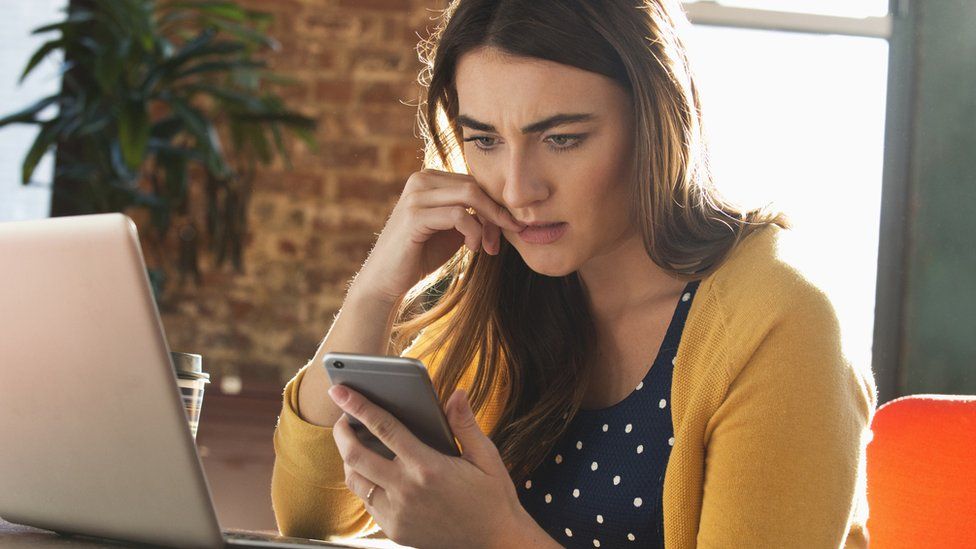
(624, 281)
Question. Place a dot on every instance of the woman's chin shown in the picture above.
(548, 264)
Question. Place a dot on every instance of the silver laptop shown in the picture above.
(94, 436)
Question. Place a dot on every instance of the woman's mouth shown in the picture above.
(543, 234)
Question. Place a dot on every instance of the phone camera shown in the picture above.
(338, 364)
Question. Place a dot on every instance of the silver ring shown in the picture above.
(369, 495)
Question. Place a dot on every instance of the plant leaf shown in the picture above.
(45, 138)
(77, 17)
(29, 114)
(220, 66)
(133, 133)
(46, 49)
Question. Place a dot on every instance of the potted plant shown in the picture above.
(154, 96)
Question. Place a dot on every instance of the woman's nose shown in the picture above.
(524, 185)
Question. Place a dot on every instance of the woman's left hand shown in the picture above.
(424, 498)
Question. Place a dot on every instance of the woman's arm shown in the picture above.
(363, 325)
(305, 494)
(308, 492)
(785, 452)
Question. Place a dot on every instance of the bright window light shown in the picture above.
(839, 8)
(17, 20)
(798, 120)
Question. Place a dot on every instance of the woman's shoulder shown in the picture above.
(761, 297)
(761, 276)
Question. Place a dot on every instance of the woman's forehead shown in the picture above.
(527, 89)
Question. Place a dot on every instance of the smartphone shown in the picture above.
(402, 387)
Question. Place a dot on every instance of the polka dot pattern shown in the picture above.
(611, 461)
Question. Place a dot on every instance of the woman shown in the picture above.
(646, 372)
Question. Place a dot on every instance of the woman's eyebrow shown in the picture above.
(535, 127)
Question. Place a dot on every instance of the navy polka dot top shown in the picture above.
(602, 483)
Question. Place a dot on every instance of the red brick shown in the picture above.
(309, 227)
(398, 31)
(339, 123)
(319, 280)
(401, 5)
(399, 121)
(343, 216)
(287, 247)
(334, 91)
(296, 94)
(406, 159)
(291, 182)
(331, 26)
(386, 93)
(366, 188)
(374, 60)
(337, 154)
(353, 248)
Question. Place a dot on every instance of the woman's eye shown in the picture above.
(559, 143)
(480, 145)
(566, 142)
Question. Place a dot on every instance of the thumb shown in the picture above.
(475, 446)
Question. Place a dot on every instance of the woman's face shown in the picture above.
(577, 172)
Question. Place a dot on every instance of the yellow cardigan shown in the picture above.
(771, 422)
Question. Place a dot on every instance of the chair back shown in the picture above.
(921, 469)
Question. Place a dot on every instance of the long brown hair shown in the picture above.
(534, 334)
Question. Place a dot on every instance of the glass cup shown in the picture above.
(192, 379)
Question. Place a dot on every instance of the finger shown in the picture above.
(456, 217)
(488, 239)
(496, 237)
(361, 458)
(471, 194)
(361, 485)
(383, 425)
(476, 447)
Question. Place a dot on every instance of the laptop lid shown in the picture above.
(94, 435)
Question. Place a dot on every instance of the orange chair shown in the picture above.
(921, 469)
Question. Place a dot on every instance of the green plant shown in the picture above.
(148, 90)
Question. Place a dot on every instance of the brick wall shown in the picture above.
(311, 227)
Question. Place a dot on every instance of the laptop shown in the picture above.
(95, 438)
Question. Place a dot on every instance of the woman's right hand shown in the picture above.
(429, 223)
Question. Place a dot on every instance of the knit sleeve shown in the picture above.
(308, 491)
(309, 496)
(785, 451)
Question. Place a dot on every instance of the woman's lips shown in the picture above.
(545, 234)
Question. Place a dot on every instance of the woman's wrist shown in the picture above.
(362, 289)
(524, 531)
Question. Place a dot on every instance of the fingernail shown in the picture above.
(339, 394)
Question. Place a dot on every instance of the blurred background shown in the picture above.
(278, 135)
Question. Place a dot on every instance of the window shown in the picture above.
(796, 116)
(17, 20)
